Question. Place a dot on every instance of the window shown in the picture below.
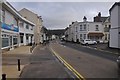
(76, 29)
(97, 28)
(3, 16)
(105, 36)
(27, 26)
(5, 42)
(80, 36)
(105, 25)
(84, 36)
(31, 27)
(85, 27)
(109, 26)
(80, 27)
(106, 29)
(14, 41)
(21, 24)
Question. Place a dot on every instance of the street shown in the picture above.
(87, 64)
(42, 63)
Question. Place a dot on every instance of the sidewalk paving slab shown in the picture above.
(11, 71)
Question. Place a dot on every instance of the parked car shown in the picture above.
(88, 41)
(100, 41)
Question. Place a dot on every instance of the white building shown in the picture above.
(115, 26)
(11, 21)
(78, 31)
(37, 20)
(26, 33)
(107, 26)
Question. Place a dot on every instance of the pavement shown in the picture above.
(19, 50)
(9, 61)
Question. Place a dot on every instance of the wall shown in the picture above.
(114, 38)
(114, 17)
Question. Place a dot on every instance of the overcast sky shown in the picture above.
(58, 15)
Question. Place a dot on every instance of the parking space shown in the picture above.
(104, 46)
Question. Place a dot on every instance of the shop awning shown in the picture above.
(95, 34)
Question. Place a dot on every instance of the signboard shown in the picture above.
(10, 27)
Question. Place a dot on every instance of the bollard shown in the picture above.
(18, 64)
(3, 76)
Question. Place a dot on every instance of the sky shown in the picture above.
(58, 15)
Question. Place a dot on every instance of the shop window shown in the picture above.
(15, 41)
(5, 42)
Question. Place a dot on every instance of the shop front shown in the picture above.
(95, 36)
(9, 36)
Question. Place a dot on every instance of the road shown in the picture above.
(43, 64)
(88, 62)
(95, 52)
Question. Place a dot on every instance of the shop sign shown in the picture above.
(10, 27)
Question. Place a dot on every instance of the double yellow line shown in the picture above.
(80, 77)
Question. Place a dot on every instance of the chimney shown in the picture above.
(84, 19)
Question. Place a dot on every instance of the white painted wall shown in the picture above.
(114, 38)
(114, 17)
(114, 31)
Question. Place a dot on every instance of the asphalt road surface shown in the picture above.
(89, 63)
(82, 48)
(43, 64)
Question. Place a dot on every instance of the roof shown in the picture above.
(28, 11)
(103, 19)
(116, 3)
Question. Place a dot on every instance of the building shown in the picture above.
(107, 26)
(106, 23)
(11, 28)
(44, 34)
(37, 20)
(78, 31)
(115, 26)
(26, 33)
